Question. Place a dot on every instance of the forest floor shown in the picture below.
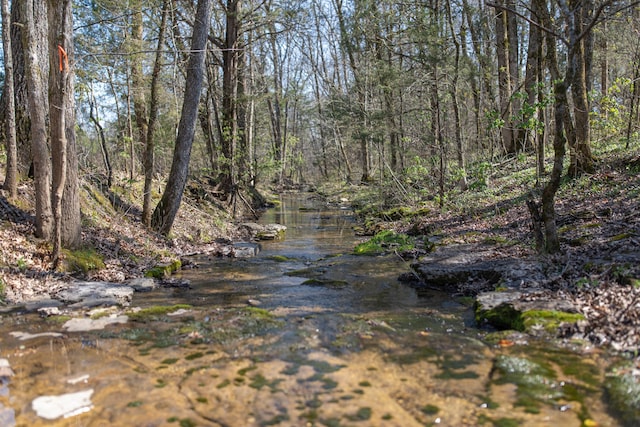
(598, 217)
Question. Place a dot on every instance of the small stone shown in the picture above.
(5, 368)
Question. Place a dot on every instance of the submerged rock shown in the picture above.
(87, 324)
(64, 405)
(623, 392)
(245, 250)
(7, 416)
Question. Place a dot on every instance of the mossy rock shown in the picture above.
(164, 270)
(549, 320)
(154, 312)
(506, 316)
(502, 317)
(82, 260)
(623, 393)
(384, 242)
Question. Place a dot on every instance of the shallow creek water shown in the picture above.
(262, 345)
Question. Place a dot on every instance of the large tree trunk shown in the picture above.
(229, 122)
(167, 209)
(11, 176)
(34, 77)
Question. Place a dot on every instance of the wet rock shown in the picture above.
(49, 311)
(88, 324)
(7, 416)
(5, 369)
(65, 405)
(23, 336)
(469, 269)
(143, 284)
(92, 294)
(264, 232)
(245, 250)
(38, 305)
(623, 392)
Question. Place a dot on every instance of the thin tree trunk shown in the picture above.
(103, 142)
(504, 77)
(167, 209)
(153, 117)
(453, 88)
(65, 202)
(11, 176)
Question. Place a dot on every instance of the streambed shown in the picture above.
(254, 342)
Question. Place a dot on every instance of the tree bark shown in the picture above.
(153, 116)
(65, 200)
(505, 86)
(229, 122)
(35, 75)
(167, 209)
(582, 159)
(11, 176)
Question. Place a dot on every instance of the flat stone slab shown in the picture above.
(64, 405)
(88, 324)
(454, 267)
(99, 293)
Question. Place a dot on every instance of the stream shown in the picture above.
(302, 334)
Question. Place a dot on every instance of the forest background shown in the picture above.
(421, 100)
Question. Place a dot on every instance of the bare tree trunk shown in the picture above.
(65, 201)
(103, 142)
(153, 116)
(229, 123)
(37, 99)
(167, 209)
(582, 159)
(453, 88)
(11, 176)
(504, 77)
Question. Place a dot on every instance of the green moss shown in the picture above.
(259, 313)
(164, 270)
(280, 258)
(154, 312)
(82, 260)
(503, 316)
(134, 404)
(430, 409)
(194, 356)
(621, 236)
(383, 242)
(362, 414)
(550, 320)
(169, 361)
